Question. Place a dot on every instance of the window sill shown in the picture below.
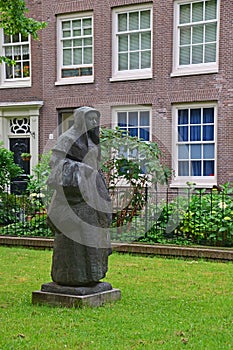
(130, 77)
(71, 81)
(208, 182)
(186, 72)
(16, 84)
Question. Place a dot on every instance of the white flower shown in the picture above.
(222, 205)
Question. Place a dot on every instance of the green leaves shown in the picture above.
(13, 19)
(9, 169)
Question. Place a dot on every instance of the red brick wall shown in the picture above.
(161, 92)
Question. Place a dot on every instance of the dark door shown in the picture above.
(19, 146)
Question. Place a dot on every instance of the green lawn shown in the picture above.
(166, 304)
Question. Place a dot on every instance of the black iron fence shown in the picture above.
(191, 216)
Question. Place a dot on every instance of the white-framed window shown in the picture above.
(132, 43)
(196, 37)
(75, 49)
(17, 48)
(194, 144)
(135, 121)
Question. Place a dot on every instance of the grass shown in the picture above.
(166, 304)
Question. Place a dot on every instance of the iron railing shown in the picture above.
(157, 216)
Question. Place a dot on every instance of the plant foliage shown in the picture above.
(9, 170)
(14, 19)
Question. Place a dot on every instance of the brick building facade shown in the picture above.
(161, 66)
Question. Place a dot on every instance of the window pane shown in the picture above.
(122, 22)
(18, 71)
(134, 60)
(7, 39)
(15, 38)
(67, 57)
(208, 151)
(87, 41)
(210, 32)
(208, 133)
(77, 32)
(66, 34)
(185, 36)
(87, 55)
(77, 42)
(183, 152)
(145, 40)
(182, 133)
(17, 52)
(76, 23)
(210, 53)
(211, 10)
(134, 41)
(133, 118)
(25, 52)
(66, 25)
(133, 20)
(184, 55)
(87, 22)
(196, 152)
(24, 38)
(123, 61)
(123, 43)
(9, 71)
(146, 59)
(195, 116)
(197, 12)
(198, 32)
(185, 14)
(196, 168)
(144, 118)
(197, 54)
(208, 115)
(144, 134)
(122, 118)
(145, 19)
(208, 168)
(183, 168)
(133, 131)
(8, 52)
(26, 70)
(87, 31)
(183, 116)
(67, 43)
(77, 56)
(195, 133)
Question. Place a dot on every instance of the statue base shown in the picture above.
(95, 295)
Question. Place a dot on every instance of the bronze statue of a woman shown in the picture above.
(80, 209)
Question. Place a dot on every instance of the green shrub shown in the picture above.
(36, 227)
(201, 217)
(9, 170)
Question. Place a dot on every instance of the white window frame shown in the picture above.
(14, 82)
(135, 74)
(199, 181)
(78, 79)
(192, 69)
(135, 108)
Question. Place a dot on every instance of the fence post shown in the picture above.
(146, 210)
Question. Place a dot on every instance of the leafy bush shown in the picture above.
(202, 217)
(9, 170)
(36, 227)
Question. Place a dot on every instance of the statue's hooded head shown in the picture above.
(86, 121)
(86, 125)
(74, 142)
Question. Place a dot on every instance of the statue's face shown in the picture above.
(92, 120)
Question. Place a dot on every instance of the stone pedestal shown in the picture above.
(66, 296)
